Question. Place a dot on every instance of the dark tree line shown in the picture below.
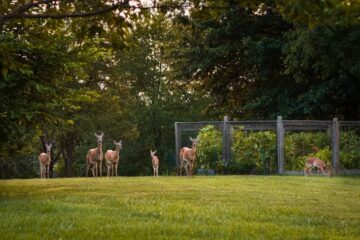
(70, 69)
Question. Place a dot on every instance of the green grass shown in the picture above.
(221, 207)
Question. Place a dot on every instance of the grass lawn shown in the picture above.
(221, 207)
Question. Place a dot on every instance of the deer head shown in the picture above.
(194, 141)
(118, 144)
(99, 137)
(48, 147)
(152, 153)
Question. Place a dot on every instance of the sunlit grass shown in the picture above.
(221, 207)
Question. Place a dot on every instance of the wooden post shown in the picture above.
(335, 142)
(177, 142)
(280, 133)
(226, 141)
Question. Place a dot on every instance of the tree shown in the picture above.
(260, 60)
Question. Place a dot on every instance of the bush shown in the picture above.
(209, 149)
(20, 167)
(254, 152)
(349, 150)
(298, 146)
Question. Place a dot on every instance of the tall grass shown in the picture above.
(221, 207)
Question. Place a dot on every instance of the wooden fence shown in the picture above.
(280, 126)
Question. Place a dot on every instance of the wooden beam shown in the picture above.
(280, 135)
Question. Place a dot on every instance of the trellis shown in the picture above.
(280, 126)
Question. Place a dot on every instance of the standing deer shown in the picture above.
(155, 163)
(187, 157)
(312, 162)
(112, 158)
(45, 160)
(95, 156)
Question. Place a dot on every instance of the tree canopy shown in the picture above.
(132, 68)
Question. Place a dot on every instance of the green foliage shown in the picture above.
(298, 146)
(298, 59)
(321, 13)
(325, 67)
(208, 151)
(231, 207)
(349, 149)
(325, 155)
(254, 152)
(26, 166)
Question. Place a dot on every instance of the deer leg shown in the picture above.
(48, 171)
(157, 170)
(40, 171)
(187, 167)
(100, 168)
(87, 169)
(191, 168)
(108, 169)
(93, 168)
(116, 168)
(322, 170)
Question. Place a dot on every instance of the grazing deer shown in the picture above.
(45, 160)
(112, 158)
(95, 156)
(155, 163)
(314, 148)
(312, 162)
(187, 157)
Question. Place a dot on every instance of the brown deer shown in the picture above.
(312, 162)
(187, 157)
(112, 158)
(155, 163)
(45, 160)
(95, 156)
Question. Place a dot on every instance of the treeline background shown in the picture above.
(133, 72)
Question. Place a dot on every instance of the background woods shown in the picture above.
(131, 69)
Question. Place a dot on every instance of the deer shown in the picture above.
(312, 162)
(187, 157)
(45, 160)
(95, 156)
(155, 163)
(112, 158)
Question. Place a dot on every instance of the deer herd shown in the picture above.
(187, 158)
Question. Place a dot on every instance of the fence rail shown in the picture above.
(280, 126)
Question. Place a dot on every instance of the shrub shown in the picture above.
(209, 149)
(20, 167)
(298, 146)
(349, 150)
(254, 152)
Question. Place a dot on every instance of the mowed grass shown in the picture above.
(221, 207)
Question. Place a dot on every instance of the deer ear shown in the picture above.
(191, 139)
(114, 142)
(102, 134)
(155, 151)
